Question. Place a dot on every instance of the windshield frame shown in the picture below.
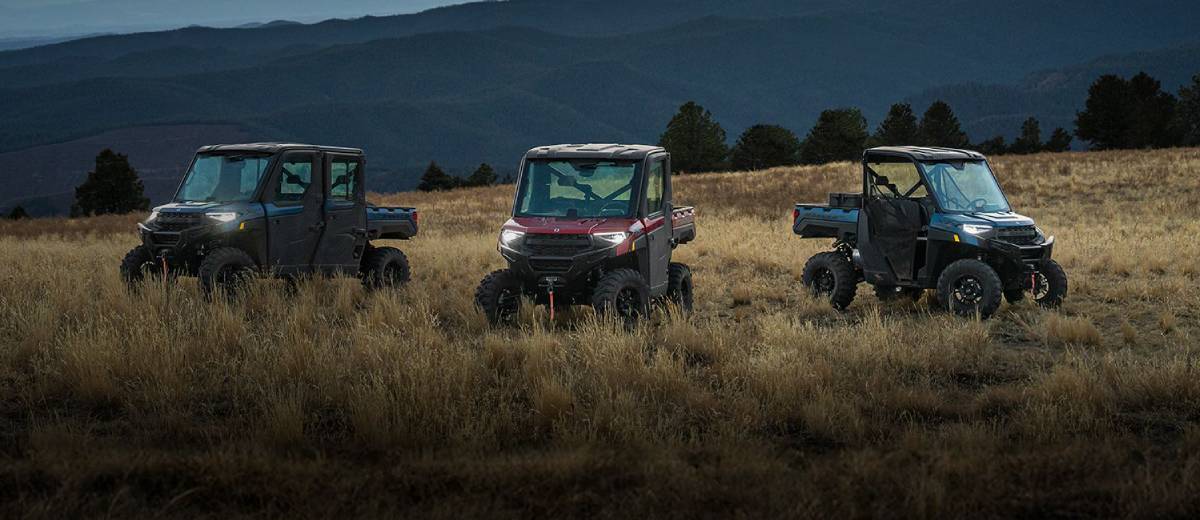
(937, 194)
(637, 186)
(256, 195)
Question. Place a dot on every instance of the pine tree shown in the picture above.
(1060, 141)
(1030, 140)
(434, 179)
(1153, 112)
(939, 127)
(1187, 114)
(993, 146)
(899, 128)
(765, 146)
(695, 140)
(482, 176)
(1105, 120)
(112, 188)
(18, 213)
(838, 135)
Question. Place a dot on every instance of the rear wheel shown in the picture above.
(499, 297)
(622, 294)
(226, 269)
(679, 287)
(831, 275)
(970, 286)
(384, 267)
(1048, 286)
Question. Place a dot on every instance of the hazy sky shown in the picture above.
(21, 18)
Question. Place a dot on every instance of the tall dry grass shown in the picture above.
(335, 402)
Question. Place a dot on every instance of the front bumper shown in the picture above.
(1028, 255)
(561, 271)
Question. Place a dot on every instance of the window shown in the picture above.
(223, 178)
(584, 188)
(295, 176)
(655, 188)
(343, 179)
(903, 178)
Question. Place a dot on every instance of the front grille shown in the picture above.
(166, 239)
(550, 266)
(1021, 235)
(557, 245)
(177, 221)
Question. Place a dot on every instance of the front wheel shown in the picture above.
(970, 286)
(384, 267)
(1048, 286)
(499, 297)
(831, 275)
(622, 294)
(226, 269)
(139, 263)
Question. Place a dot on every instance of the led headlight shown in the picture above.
(508, 236)
(976, 229)
(223, 216)
(613, 238)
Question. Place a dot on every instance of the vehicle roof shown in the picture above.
(276, 148)
(594, 151)
(925, 153)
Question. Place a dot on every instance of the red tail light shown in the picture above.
(795, 214)
(416, 217)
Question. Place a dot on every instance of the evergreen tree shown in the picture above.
(1187, 114)
(939, 127)
(1105, 120)
(1030, 140)
(839, 135)
(483, 176)
(434, 179)
(1060, 141)
(993, 146)
(899, 128)
(18, 213)
(112, 188)
(1153, 112)
(696, 141)
(765, 146)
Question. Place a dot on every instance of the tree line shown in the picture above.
(1119, 114)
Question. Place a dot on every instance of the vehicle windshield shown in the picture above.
(586, 188)
(223, 178)
(965, 186)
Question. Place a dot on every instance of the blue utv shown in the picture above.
(285, 210)
(929, 218)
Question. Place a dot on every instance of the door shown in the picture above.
(344, 233)
(294, 216)
(658, 225)
(891, 222)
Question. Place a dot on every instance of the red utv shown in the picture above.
(592, 225)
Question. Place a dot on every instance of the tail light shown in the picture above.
(416, 217)
(795, 214)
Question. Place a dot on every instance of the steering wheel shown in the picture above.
(616, 205)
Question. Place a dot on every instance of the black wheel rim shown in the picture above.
(823, 282)
(627, 303)
(507, 302)
(968, 291)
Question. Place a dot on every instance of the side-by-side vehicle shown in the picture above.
(594, 225)
(286, 210)
(929, 218)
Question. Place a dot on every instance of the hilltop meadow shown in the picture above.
(334, 402)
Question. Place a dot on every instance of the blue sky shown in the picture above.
(25, 18)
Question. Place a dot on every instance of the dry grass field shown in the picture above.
(334, 402)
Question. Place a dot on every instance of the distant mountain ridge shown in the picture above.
(483, 82)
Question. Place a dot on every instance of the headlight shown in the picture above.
(222, 216)
(976, 229)
(508, 236)
(613, 238)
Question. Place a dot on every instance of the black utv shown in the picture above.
(284, 210)
(929, 218)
